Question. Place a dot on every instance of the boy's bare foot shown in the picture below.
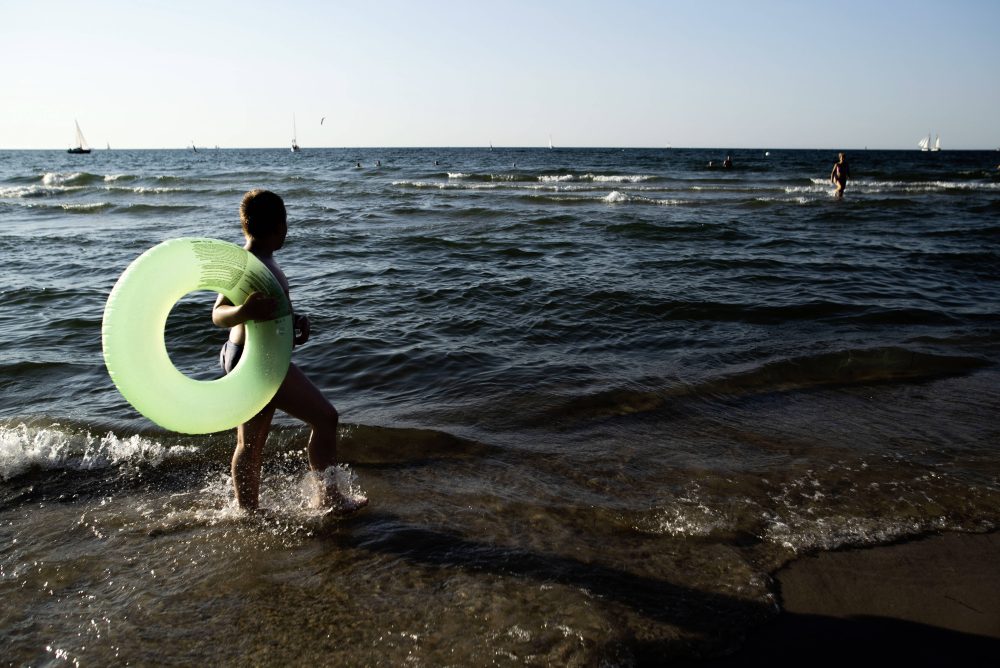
(326, 494)
(344, 505)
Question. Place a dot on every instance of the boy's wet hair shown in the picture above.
(262, 213)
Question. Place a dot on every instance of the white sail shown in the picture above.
(937, 143)
(295, 143)
(925, 143)
(80, 141)
(550, 142)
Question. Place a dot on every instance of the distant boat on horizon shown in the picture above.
(550, 142)
(925, 143)
(81, 143)
(295, 143)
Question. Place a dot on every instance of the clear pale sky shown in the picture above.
(795, 74)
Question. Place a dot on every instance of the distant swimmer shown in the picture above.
(728, 162)
(358, 165)
(378, 163)
(841, 172)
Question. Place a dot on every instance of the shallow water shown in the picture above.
(594, 396)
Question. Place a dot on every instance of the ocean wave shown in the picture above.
(143, 209)
(877, 186)
(501, 177)
(802, 373)
(807, 532)
(842, 368)
(438, 185)
(36, 191)
(768, 201)
(618, 197)
(688, 514)
(618, 178)
(72, 178)
(145, 190)
(565, 177)
(817, 187)
(806, 511)
(25, 448)
(93, 207)
(86, 208)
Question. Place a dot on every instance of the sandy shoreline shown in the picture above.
(934, 601)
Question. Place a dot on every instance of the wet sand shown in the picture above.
(931, 602)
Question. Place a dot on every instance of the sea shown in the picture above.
(596, 398)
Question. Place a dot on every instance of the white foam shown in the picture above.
(288, 500)
(618, 178)
(686, 517)
(23, 448)
(345, 481)
(22, 191)
(596, 178)
(142, 190)
(57, 178)
(800, 532)
(819, 186)
(85, 207)
(870, 185)
(618, 197)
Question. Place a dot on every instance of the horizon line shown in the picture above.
(518, 148)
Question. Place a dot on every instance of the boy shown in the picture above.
(264, 220)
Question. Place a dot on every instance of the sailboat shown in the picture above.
(295, 143)
(925, 143)
(550, 142)
(81, 143)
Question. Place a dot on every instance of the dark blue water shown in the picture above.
(595, 396)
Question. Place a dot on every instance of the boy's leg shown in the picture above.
(298, 397)
(249, 456)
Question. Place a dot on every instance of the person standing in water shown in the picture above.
(841, 172)
(264, 221)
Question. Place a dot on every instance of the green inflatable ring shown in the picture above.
(135, 349)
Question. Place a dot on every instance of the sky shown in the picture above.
(622, 73)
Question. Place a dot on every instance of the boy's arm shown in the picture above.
(258, 306)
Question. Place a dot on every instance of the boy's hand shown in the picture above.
(259, 306)
(301, 329)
